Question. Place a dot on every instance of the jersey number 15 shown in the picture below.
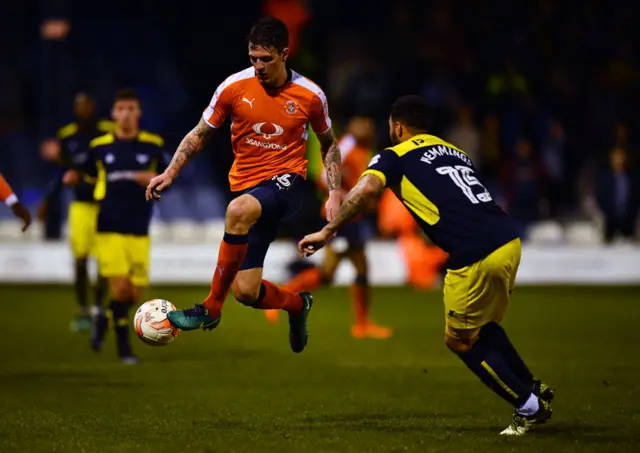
(463, 177)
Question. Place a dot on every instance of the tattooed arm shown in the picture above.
(332, 159)
(333, 167)
(370, 187)
(190, 145)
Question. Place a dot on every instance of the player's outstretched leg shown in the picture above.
(81, 283)
(242, 213)
(251, 290)
(490, 365)
(495, 334)
(307, 280)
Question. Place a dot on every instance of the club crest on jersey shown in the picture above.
(278, 130)
(142, 158)
(79, 158)
(291, 107)
(109, 159)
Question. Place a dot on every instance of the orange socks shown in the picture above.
(273, 297)
(360, 301)
(232, 251)
(307, 280)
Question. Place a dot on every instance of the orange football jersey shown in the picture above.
(6, 193)
(270, 128)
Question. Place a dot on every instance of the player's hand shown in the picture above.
(50, 150)
(332, 206)
(313, 242)
(71, 178)
(23, 214)
(158, 184)
(144, 177)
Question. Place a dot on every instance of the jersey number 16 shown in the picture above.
(463, 177)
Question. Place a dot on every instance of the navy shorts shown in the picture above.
(281, 199)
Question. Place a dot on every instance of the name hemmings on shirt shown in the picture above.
(438, 151)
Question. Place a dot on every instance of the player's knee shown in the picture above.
(362, 280)
(120, 289)
(243, 212)
(246, 292)
(459, 344)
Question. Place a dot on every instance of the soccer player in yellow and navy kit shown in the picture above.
(124, 162)
(73, 142)
(436, 182)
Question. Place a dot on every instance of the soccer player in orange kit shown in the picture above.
(10, 199)
(355, 148)
(272, 108)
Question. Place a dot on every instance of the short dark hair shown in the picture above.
(126, 94)
(413, 111)
(269, 32)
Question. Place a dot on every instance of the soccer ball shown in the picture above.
(152, 325)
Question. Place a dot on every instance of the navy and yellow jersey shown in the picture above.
(436, 182)
(74, 141)
(115, 162)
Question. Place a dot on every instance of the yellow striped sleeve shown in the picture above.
(148, 137)
(378, 173)
(106, 139)
(67, 131)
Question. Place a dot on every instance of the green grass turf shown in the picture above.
(240, 389)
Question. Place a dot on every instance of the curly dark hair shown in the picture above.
(270, 33)
(413, 111)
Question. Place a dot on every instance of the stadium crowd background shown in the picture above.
(540, 93)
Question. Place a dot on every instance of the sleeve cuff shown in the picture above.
(11, 200)
(204, 117)
(379, 174)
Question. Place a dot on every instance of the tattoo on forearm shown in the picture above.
(190, 145)
(332, 160)
(369, 188)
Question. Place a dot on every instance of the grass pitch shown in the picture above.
(240, 389)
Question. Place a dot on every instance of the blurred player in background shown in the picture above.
(436, 182)
(11, 200)
(123, 162)
(355, 147)
(71, 147)
(272, 108)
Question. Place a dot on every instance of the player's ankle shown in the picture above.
(294, 306)
(530, 406)
(213, 306)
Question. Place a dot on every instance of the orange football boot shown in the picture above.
(272, 316)
(371, 330)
